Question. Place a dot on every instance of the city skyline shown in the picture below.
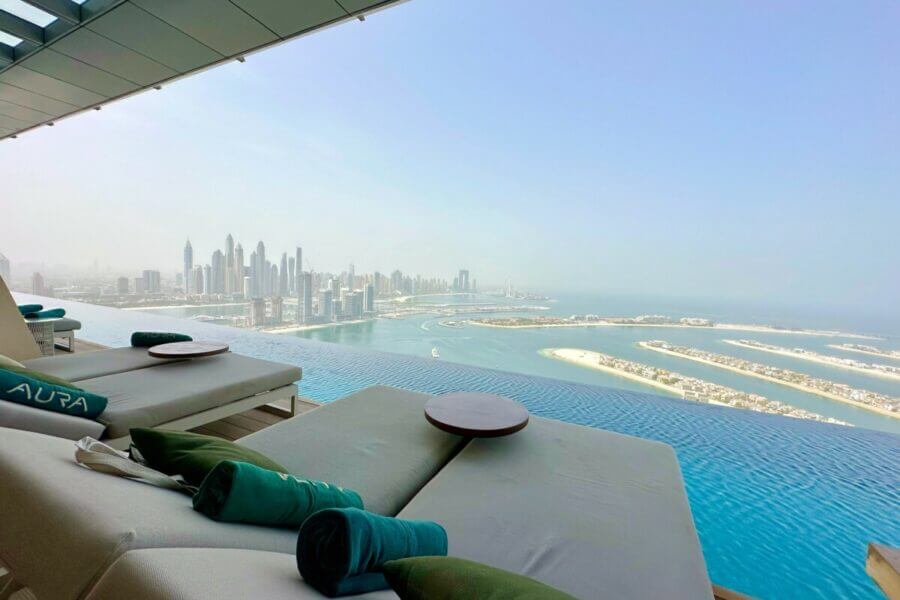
(653, 168)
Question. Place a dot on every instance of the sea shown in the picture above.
(784, 507)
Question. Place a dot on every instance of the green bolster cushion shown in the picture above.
(238, 492)
(38, 393)
(147, 339)
(192, 455)
(30, 308)
(340, 551)
(53, 313)
(450, 578)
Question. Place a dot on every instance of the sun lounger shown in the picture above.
(593, 513)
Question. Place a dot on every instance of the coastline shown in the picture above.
(878, 354)
(718, 326)
(796, 386)
(816, 359)
(296, 328)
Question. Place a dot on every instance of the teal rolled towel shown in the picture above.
(52, 313)
(238, 492)
(147, 339)
(30, 308)
(340, 551)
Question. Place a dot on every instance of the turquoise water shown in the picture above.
(784, 507)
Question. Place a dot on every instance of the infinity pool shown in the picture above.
(784, 507)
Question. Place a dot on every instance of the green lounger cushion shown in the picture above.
(340, 551)
(52, 313)
(20, 387)
(192, 455)
(238, 492)
(147, 339)
(450, 578)
(30, 308)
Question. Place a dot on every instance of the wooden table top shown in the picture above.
(187, 349)
(473, 414)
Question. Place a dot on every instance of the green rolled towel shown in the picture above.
(52, 313)
(30, 308)
(238, 492)
(147, 339)
(37, 393)
(340, 551)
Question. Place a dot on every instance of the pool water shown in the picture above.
(784, 507)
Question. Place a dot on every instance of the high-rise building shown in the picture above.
(283, 276)
(247, 287)
(304, 297)
(254, 269)
(258, 312)
(230, 274)
(369, 298)
(196, 279)
(298, 265)
(140, 285)
(188, 268)
(5, 270)
(207, 279)
(351, 277)
(151, 281)
(277, 310)
(122, 285)
(37, 285)
(353, 305)
(463, 285)
(272, 288)
(396, 282)
(292, 279)
(326, 304)
(217, 273)
(335, 284)
(239, 269)
(262, 270)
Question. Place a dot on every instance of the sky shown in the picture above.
(741, 150)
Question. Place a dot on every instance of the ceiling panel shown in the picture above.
(14, 124)
(48, 86)
(232, 31)
(288, 18)
(21, 113)
(62, 67)
(105, 54)
(355, 6)
(36, 101)
(141, 31)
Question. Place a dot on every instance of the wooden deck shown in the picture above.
(235, 426)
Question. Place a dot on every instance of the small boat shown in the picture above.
(434, 353)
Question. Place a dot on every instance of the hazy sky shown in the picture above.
(737, 149)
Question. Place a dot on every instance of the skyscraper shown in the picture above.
(230, 275)
(188, 268)
(261, 270)
(122, 285)
(5, 270)
(292, 279)
(326, 304)
(369, 298)
(463, 280)
(239, 269)
(254, 269)
(258, 312)
(217, 274)
(283, 276)
(37, 284)
(196, 279)
(151, 281)
(304, 297)
(207, 279)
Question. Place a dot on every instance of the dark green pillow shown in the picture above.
(148, 339)
(19, 387)
(193, 455)
(449, 578)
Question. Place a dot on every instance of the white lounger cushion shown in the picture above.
(28, 418)
(376, 442)
(86, 365)
(590, 512)
(157, 395)
(62, 525)
(208, 574)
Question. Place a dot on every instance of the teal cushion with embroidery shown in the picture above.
(23, 388)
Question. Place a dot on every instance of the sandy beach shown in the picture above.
(796, 386)
(885, 354)
(821, 359)
(296, 328)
